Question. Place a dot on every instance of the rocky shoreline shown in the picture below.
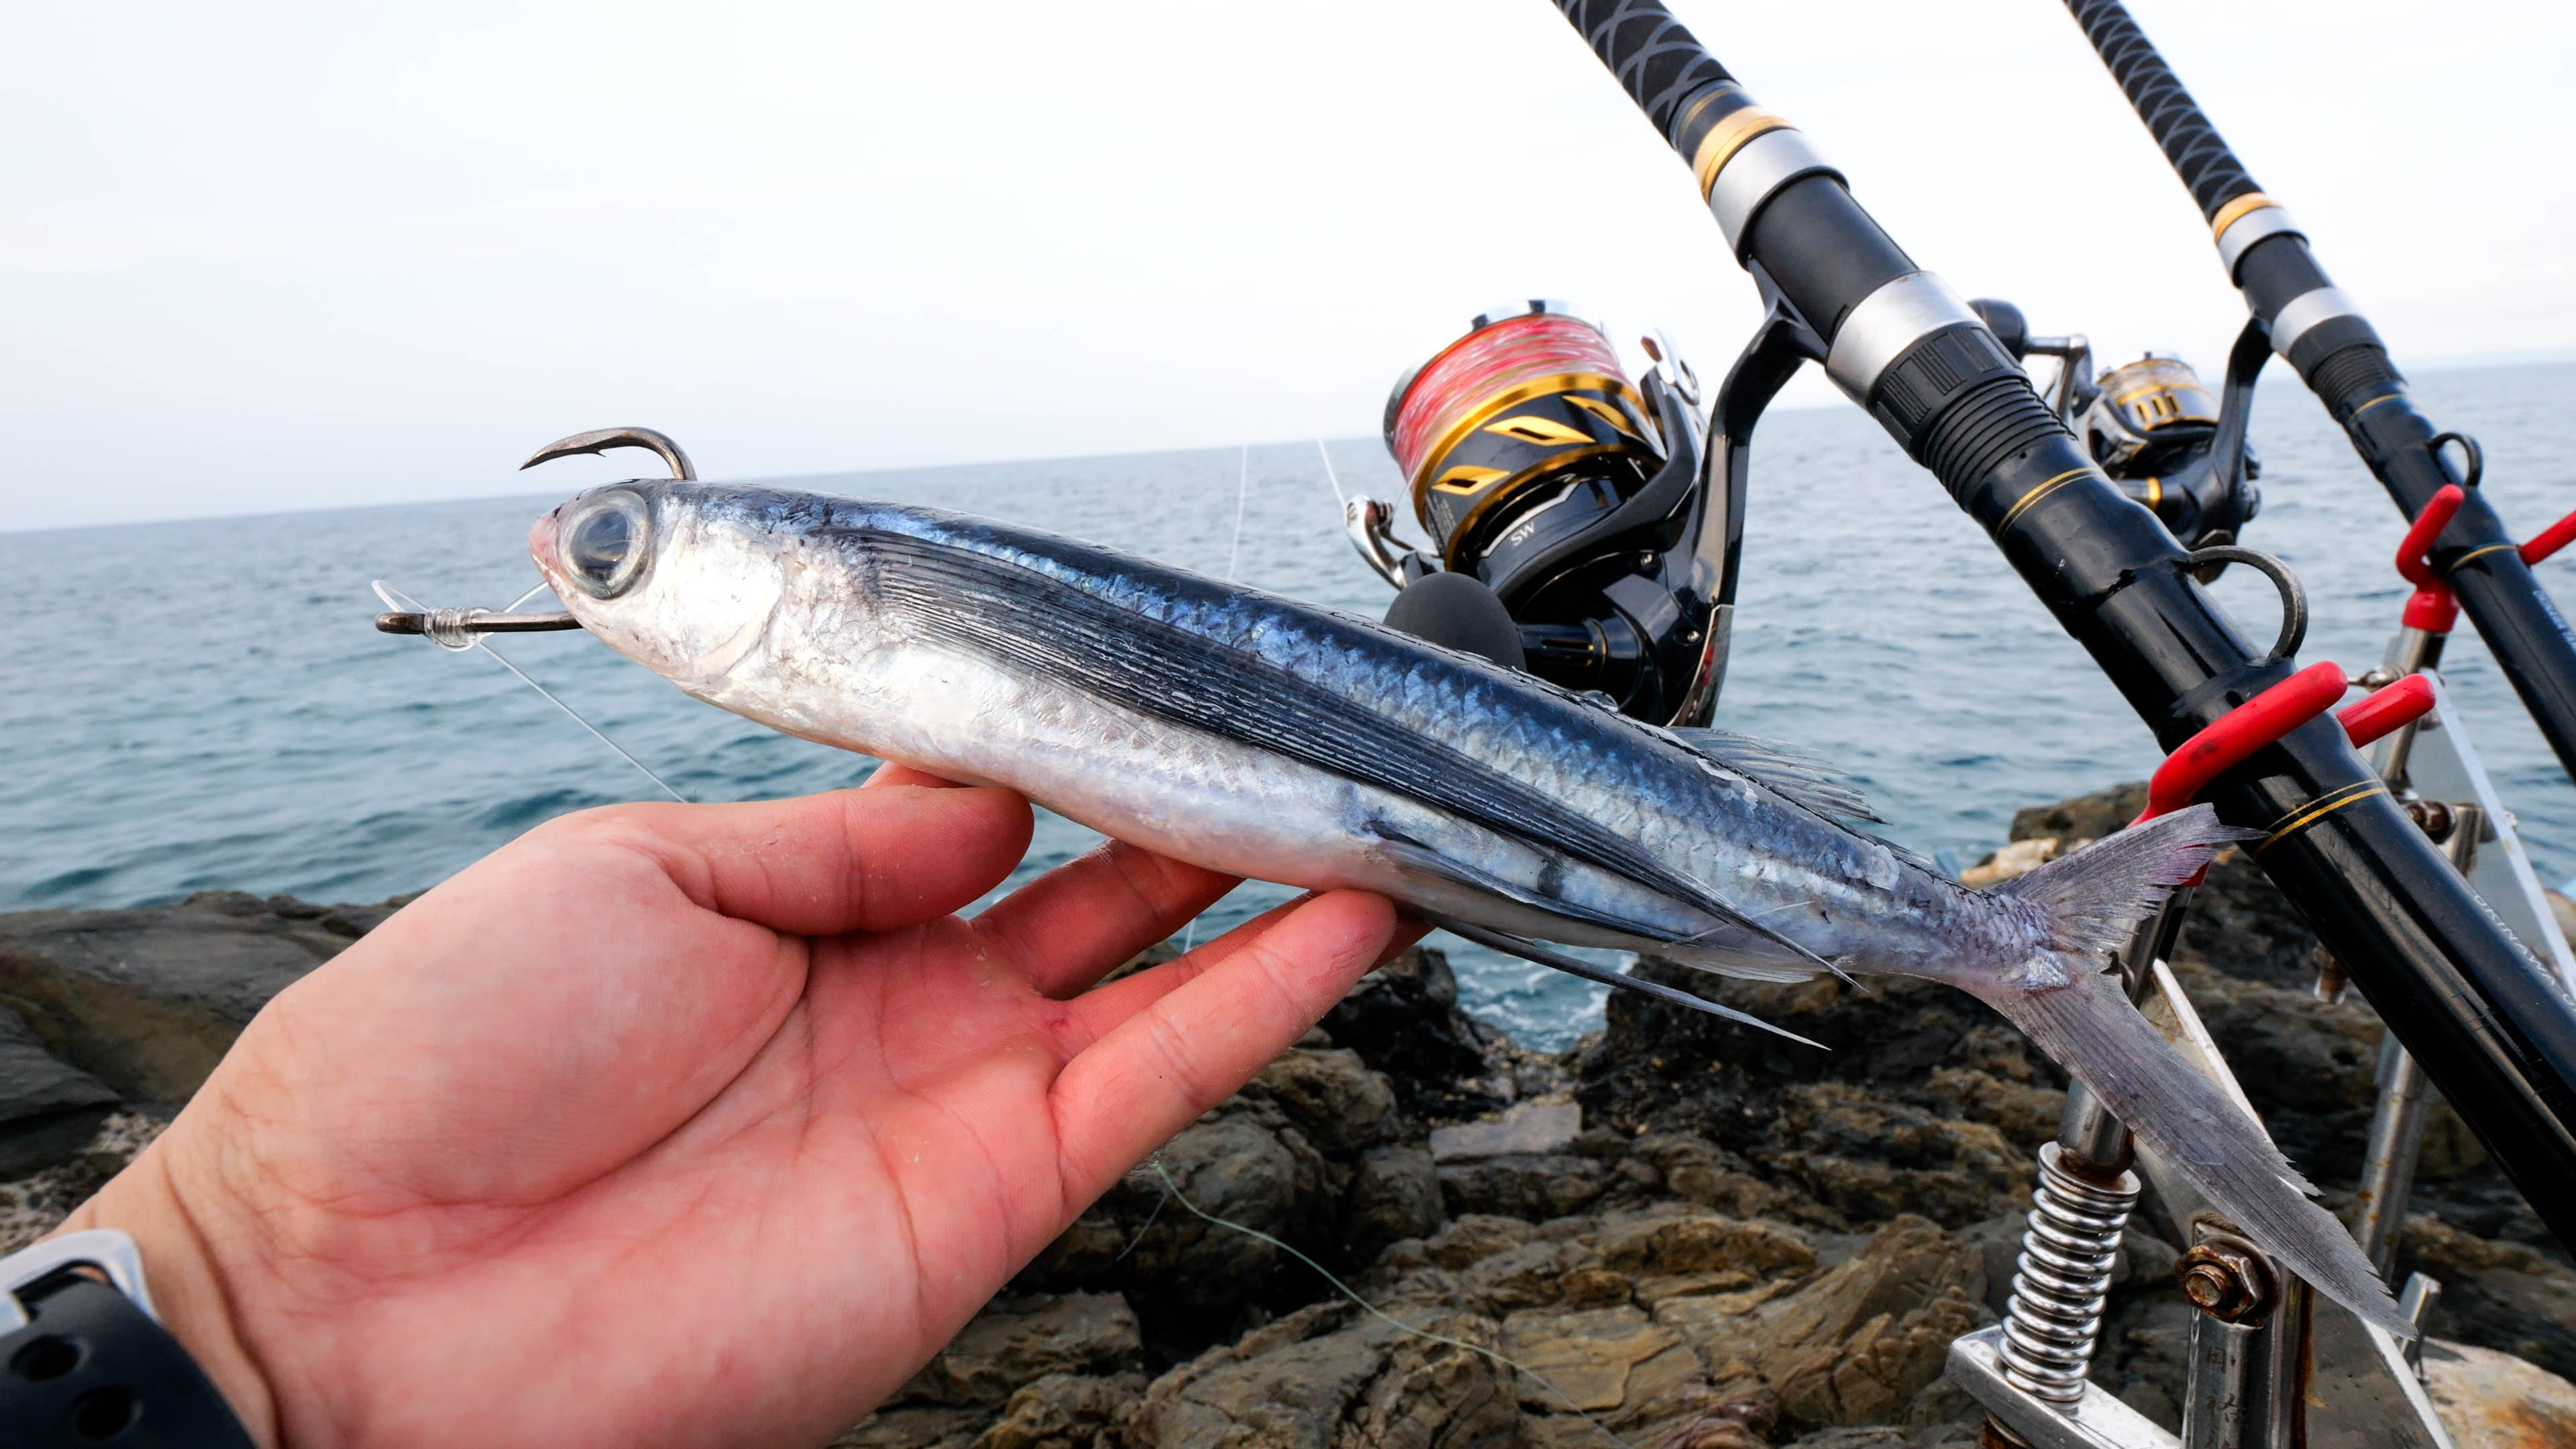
(1684, 1233)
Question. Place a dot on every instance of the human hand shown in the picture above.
(694, 1124)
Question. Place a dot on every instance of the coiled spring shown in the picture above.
(2054, 1317)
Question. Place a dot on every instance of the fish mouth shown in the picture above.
(541, 551)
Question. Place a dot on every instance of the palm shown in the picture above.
(719, 1139)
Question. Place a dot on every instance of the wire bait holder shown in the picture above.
(457, 629)
(2086, 1189)
(462, 628)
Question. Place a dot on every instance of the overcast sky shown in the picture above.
(267, 256)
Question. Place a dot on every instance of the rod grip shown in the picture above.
(2194, 146)
(1655, 57)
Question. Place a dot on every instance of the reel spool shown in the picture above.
(2146, 414)
(2154, 428)
(1570, 497)
(1516, 436)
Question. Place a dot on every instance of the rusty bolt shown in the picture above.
(2225, 1280)
(2433, 816)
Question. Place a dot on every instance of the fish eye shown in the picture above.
(602, 542)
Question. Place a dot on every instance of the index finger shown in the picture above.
(821, 865)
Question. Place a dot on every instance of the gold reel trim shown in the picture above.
(1513, 487)
(1492, 408)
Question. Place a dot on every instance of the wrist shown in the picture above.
(187, 1285)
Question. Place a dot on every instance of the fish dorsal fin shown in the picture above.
(1785, 770)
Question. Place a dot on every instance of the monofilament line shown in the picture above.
(1373, 1310)
(396, 599)
(1242, 488)
(1332, 477)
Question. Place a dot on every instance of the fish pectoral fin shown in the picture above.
(1529, 950)
(1409, 854)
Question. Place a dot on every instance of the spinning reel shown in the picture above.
(1586, 528)
(1569, 513)
(2155, 428)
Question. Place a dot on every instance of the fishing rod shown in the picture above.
(2321, 333)
(2489, 1026)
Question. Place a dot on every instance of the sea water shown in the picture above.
(202, 705)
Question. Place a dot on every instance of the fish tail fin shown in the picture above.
(2197, 1130)
(2094, 899)
(2092, 902)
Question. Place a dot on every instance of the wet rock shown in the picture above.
(1615, 1363)
(917, 1427)
(2084, 819)
(1530, 1129)
(2242, 926)
(1318, 1380)
(1856, 1344)
(1535, 1187)
(1882, 1123)
(1403, 1020)
(1015, 1342)
(1064, 1411)
(1869, 1159)
(37, 1203)
(2145, 1351)
(2503, 1296)
(2019, 858)
(1332, 1097)
(1394, 1194)
(149, 1000)
(2491, 1400)
(47, 1109)
(1242, 1162)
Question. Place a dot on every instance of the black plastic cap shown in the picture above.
(2004, 320)
(1457, 610)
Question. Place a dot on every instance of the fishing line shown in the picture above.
(396, 599)
(1174, 1189)
(1242, 487)
(1332, 477)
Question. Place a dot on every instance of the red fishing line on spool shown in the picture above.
(1522, 398)
(1519, 352)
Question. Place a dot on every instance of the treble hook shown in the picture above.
(600, 440)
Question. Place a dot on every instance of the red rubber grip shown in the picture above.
(2384, 711)
(2240, 732)
(2432, 609)
(2438, 512)
(2550, 540)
